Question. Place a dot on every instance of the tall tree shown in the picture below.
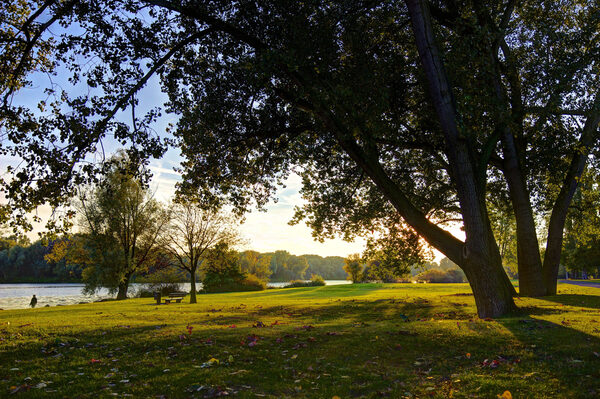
(353, 266)
(121, 225)
(191, 232)
(347, 90)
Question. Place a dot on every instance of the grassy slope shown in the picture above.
(359, 346)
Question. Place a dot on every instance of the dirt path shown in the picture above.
(581, 283)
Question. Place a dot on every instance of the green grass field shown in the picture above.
(351, 341)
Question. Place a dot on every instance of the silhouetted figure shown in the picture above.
(33, 302)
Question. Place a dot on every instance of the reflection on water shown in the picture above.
(17, 296)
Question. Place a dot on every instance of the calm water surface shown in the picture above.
(17, 296)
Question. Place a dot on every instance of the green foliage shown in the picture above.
(286, 267)
(120, 224)
(581, 246)
(394, 253)
(330, 267)
(252, 283)
(442, 276)
(254, 263)
(504, 227)
(247, 283)
(315, 281)
(353, 266)
(222, 269)
(28, 263)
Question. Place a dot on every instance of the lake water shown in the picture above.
(17, 296)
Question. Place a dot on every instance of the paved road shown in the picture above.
(581, 283)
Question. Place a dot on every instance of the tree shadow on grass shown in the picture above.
(568, 354)
(576, 300)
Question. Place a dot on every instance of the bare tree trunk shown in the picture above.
(193, 286)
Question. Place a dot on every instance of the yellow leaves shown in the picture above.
(59, 251)
(505, 395)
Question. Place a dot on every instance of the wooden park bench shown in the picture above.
(173, 296)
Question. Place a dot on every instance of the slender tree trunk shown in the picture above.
(558, 217)
(193, 285)
(528, 250)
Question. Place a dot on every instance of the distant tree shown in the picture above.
(353, 266)
(446, 264)
(25, 263)
(442, 276)
(329, 267)
(191, 232)
(286, 266)
(221, 268)
(297, 266)
(278, 265)
(253, 262)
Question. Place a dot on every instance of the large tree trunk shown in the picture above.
(493, 296)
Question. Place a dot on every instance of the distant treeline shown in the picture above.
(22, 262)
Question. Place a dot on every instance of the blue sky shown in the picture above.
(263, 231)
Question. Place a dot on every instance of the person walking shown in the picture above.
(33, 302)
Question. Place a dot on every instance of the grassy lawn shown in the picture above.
(369, 340)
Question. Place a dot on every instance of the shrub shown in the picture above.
(148, 290)
(456, 276)
(441, 276)
(315, 281)
(247, 283)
